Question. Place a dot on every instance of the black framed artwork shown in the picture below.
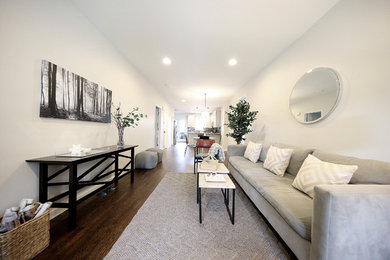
(67, 95)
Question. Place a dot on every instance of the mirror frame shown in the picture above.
(336, 102)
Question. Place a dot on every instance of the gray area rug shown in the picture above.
(167, 227)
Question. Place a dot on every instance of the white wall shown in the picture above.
(54, 30)
(354, 39)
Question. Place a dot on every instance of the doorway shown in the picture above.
(157, 132)
(174, 131)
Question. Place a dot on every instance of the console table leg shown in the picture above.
(132, 166)
(72, 217)
(116, 169)
(43, 176)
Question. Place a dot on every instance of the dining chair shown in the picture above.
(198, 157)
(187, 145)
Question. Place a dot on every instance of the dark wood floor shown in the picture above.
(101, 220)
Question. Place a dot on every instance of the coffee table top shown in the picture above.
(228, 184)
(221, 169)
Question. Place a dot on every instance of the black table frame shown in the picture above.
(75, 183)
(225, 193)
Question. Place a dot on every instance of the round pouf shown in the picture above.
(146, 160)
(158, 151)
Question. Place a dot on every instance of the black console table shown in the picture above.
(75, 182)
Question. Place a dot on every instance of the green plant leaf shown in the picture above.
(240, 118)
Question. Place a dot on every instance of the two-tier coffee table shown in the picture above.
(225, 187)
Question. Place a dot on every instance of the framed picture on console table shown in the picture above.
(67, 95)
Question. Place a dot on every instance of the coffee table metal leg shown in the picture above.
(200, 205)
(227, 197)
(197, 187)
(233, 202)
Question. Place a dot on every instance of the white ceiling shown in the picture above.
(200, 36)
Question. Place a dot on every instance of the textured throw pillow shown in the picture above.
(277, 160)
(252, 151)
(314, 172)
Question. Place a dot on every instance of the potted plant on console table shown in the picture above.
(130, 120)
(240, 120)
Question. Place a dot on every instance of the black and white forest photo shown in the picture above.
(67, 95)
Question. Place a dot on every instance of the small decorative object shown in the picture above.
(130, 120)
(67, 95)
(240, 120)
(78, 150)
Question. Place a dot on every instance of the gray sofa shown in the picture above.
(342, 221)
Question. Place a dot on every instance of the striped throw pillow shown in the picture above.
(277, 160)
(252, 151)
(314, 172)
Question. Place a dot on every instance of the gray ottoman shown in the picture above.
(158, 151)
(146, 160)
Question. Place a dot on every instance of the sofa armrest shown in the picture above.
(236, 150)
(351, 222)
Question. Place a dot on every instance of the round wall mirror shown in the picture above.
(315, 95)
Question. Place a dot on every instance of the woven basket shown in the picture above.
(26, 240)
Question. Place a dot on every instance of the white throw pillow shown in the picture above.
(277, 160)
(252, 151)
(314, 172)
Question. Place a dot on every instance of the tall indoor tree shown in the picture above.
(240, 119)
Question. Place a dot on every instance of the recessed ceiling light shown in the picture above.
(232, 62)
(183, 100)
(166, 61)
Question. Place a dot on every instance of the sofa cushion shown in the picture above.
(315, 172)
(277, 160)
(298, 156)
(293, 206)
(251, 171)
(240, 163)
(368, 172)
(252, 151)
